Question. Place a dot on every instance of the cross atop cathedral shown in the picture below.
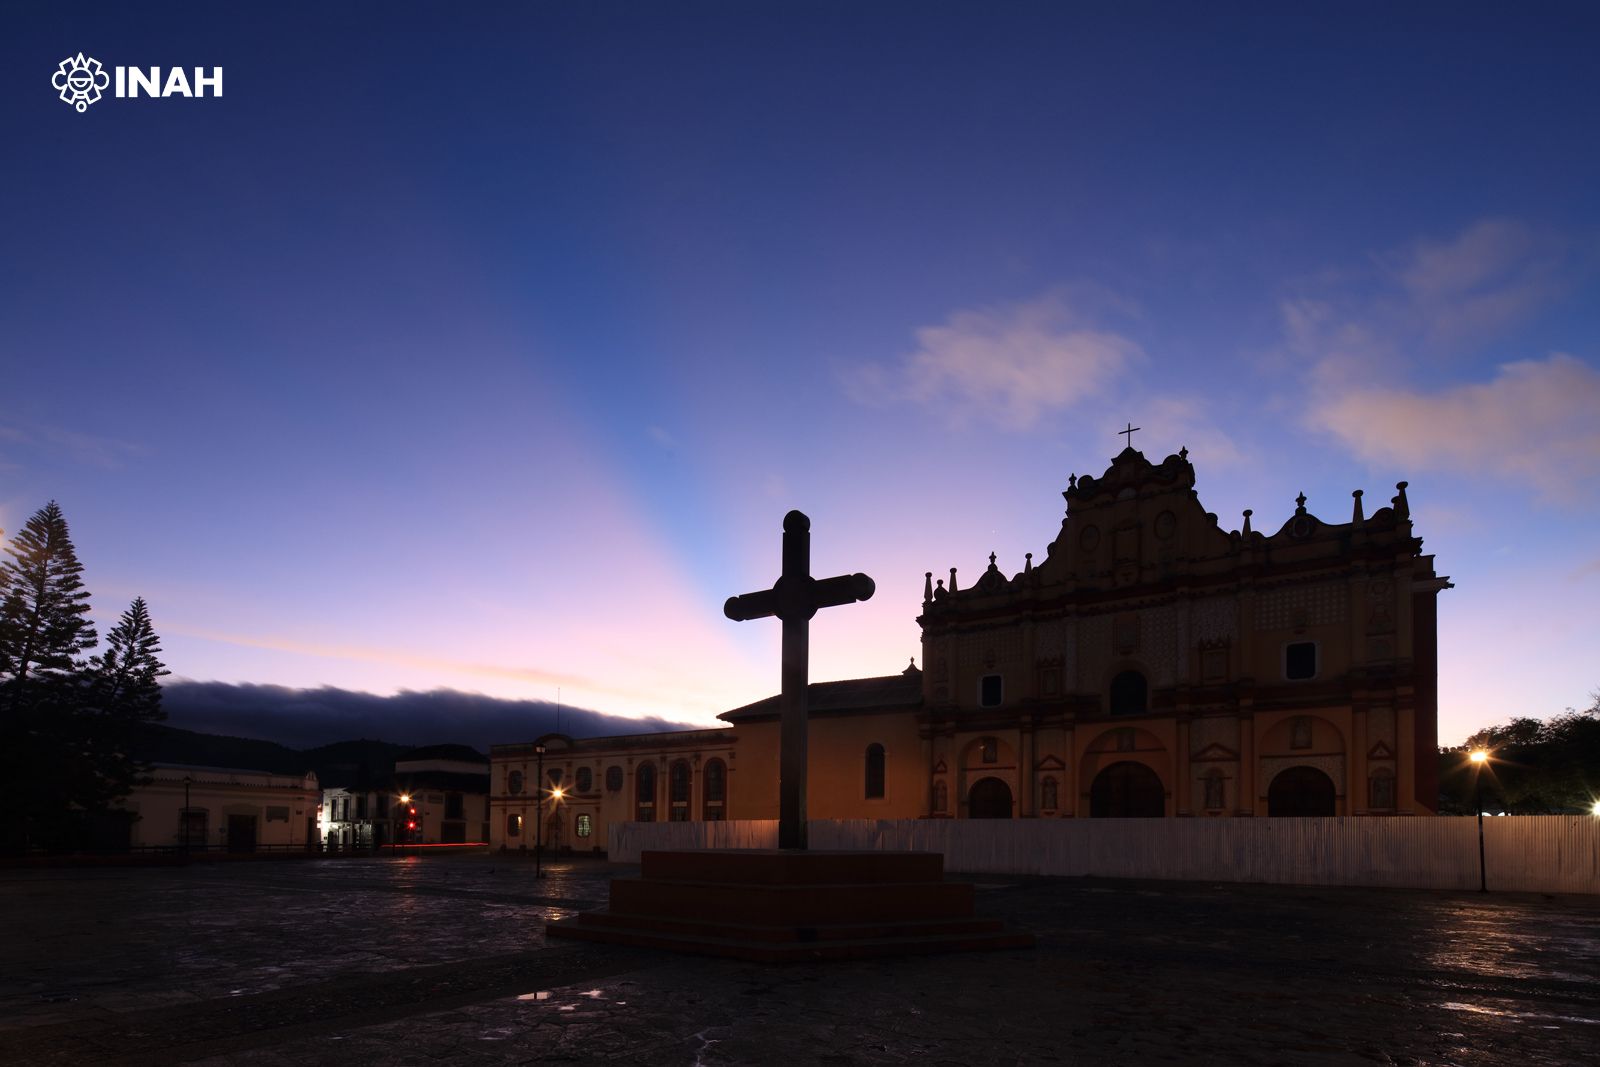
(794, 598)
(1129, 432)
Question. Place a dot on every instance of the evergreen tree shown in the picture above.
(123, 679)
(44, 617)
(45, 757)
(120, 693)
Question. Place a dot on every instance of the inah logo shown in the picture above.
(80, 81)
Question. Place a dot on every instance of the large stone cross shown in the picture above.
(794, 598)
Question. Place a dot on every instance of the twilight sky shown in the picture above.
(485, 346)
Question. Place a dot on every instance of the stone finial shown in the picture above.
(1402, 506)
(912, 668)
(927, 587)
(1183, 453)
(991, 561)
(952, 579)
(1356, 515)
(1300, 504)
(939, 590)
(1247, 513)
(1027, 567)
(1072, 481)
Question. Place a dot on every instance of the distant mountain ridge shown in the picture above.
(360, 762)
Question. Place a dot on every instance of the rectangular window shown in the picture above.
(989, 750)
(1300, 660)
(276, 814)
(513, 825)
(453, 806)
(585, 826)
(989, 691)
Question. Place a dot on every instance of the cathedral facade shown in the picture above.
(1151, 664)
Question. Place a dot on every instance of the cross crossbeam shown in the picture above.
(793, 599)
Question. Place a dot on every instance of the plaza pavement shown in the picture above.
(443, 960)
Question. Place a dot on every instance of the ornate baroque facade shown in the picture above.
(1152, 664)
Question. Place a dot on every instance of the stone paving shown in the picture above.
(443, 960)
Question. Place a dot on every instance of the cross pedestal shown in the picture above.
(789, 903)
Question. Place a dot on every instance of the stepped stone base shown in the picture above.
(772, 906)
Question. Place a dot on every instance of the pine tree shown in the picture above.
(123, 679)
(120, 694)
(46, 757)
(44, 617)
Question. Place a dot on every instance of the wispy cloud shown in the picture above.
(1490, 276)
(1008, 365)
(84, 449)
(1365, 348)
(1535, 420)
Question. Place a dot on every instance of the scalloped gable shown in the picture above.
(1142, 525)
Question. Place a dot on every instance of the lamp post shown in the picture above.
(183, 820)
(538, 812)
(1479, 758)
(399, 813)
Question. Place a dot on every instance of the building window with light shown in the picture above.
(715, 790)
(679, 778)
(644, 793)
(584, 826)
(875, 771)
(513, 826)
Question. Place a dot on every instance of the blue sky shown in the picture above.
(485, 347)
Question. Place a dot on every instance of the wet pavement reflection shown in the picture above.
(443, 960)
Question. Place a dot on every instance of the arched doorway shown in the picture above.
(990, 799)
(1127, 790)
(1301, 791)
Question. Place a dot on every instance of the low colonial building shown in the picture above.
(222, 809)
(1151, 664)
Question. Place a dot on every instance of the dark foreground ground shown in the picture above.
(444, 961)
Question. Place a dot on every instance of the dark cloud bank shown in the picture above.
(306, 718)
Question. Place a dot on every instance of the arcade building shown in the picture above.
(1151, 664)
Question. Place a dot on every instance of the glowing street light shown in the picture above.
(1480, 759)
(394, 844)
(1596, 808)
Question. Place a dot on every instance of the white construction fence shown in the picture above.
(1530, 853)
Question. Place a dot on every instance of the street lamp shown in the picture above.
(538, 813)
(405, 799)
(183, 820)
(1479, 758)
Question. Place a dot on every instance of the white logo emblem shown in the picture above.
(80, 81)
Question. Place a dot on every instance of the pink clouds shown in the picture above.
(1008, 365)
(1535, 420)
(1491, 275)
